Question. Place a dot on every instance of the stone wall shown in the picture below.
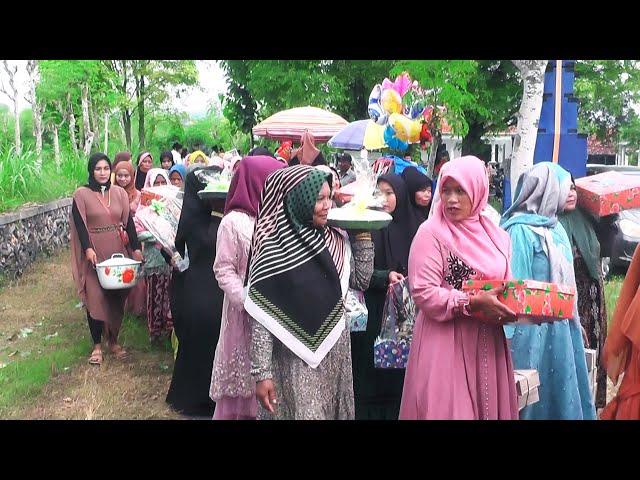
(30, 232)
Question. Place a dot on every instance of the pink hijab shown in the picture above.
(479, 242)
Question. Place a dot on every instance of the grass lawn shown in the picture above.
(44, 347)
(612, 288)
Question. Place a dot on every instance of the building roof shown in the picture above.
(598, 147)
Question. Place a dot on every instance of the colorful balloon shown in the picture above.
(391, 101)
(392, 141)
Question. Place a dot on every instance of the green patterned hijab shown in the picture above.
(301, 201)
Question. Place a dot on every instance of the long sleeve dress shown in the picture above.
(302, 392)
(555, 350)
(94, 224)
(197, 303)
(232, 387)
(459, 367)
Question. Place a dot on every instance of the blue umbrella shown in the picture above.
(358, 135)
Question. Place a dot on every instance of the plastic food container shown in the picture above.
(118, 272)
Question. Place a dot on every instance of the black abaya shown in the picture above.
(196, 306)
(377, 392)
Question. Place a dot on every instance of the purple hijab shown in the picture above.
(247, 183)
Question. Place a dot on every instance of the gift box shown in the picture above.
(532, 301)
(526, 380)
(158, 193)
(608, 193)
(590, 355)
(528, 398)
(527, 383)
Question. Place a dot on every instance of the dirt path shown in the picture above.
(39, 319)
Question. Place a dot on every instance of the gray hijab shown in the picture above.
(541, 192)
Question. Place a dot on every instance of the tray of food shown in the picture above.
(350, 218)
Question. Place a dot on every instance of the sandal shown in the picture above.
(118, 352)
(96, 357)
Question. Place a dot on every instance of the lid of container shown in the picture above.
(118, 260)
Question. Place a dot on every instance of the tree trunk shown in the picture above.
(88, 134)
(32, 70)
(532, 72)
(126, 125)
(72, 125)
(56, 146)
(94, 125)
(16, 129)
(435, 144)
(140, 95)
(13, 96)
(106, 132)
(472, 143)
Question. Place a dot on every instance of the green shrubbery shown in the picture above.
(21, 180)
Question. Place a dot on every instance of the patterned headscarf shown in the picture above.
(298, 274)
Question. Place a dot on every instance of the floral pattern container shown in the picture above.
(608, 193)
(118, 272)
(533, 301)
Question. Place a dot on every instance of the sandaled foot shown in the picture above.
(96, 357)
(118, 352)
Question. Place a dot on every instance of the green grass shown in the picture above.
(612, 288)
(21, 181)
(24, 379)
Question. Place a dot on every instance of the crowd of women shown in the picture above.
(259, 316)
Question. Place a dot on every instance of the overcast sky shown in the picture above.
(195, 102)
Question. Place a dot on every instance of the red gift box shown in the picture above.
(532, 301)
(608, 193)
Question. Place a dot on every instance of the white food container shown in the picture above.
(118, 272)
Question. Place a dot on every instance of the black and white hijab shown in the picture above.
(298, 274)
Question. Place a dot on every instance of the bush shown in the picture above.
(21, 180)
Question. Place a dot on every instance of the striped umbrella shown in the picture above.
(358, 135)
(291, 124)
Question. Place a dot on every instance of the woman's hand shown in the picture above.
(395, 277)
(266, 394)
(92, 258)
(489, 308)
(137, 255)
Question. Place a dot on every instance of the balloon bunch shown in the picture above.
(399, 105)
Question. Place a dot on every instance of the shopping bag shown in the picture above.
(391, 348)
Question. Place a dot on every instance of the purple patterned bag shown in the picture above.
(391, 348)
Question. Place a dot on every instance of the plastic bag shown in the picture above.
(391, 348)
(356, 310)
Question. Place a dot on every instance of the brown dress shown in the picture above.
(100, 219)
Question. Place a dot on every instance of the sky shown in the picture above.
(196, 102)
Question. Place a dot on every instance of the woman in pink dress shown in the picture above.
(459, 364)
(232, 387)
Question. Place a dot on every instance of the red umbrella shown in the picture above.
(291, 124)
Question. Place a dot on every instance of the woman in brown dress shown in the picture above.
(100, 224)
